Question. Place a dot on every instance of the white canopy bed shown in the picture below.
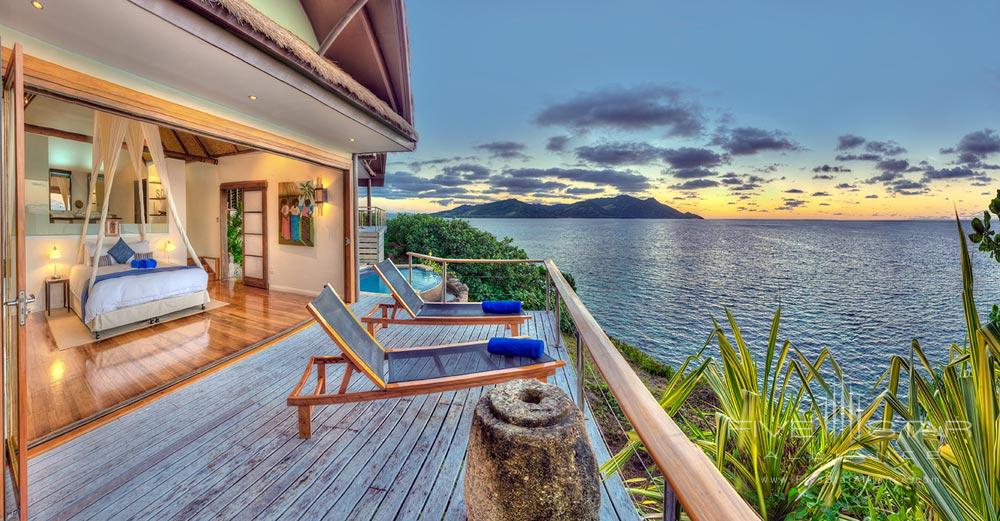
(114, 285)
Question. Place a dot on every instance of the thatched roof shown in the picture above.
(260, 23)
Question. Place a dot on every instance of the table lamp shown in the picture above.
(54, 255)
(168, 246)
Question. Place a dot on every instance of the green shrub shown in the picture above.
(457, 239)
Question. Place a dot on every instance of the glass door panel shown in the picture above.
(14, 291)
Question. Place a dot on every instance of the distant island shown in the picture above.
(620, 207)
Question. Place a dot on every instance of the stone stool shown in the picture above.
(529, 457)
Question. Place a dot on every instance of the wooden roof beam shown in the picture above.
(341, 25)
(83, 138)
(383, 69)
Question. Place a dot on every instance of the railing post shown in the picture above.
(669, 502)
(548, 290)
(581, 400)
(444, 283)
(410, 257)
(555, 298)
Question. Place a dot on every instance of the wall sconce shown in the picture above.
(320, 195)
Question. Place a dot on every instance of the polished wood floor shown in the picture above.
(73, 385)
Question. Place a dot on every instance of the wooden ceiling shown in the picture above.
(192, 147)
(368, 40)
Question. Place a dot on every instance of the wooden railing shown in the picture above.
(691, 478)
(371, 216)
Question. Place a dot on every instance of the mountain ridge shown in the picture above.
(618, 207)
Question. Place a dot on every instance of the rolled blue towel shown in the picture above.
(143, 264)
(502, 307)
(527, 347)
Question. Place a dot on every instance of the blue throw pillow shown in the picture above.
(121, 252)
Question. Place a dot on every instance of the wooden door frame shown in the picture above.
(247, 185)
(14, 72)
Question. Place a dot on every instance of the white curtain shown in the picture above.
(152, 134)
(109, 131)
(134, 142)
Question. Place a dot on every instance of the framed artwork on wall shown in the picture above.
(296, 211)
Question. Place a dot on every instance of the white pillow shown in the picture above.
(140, 246)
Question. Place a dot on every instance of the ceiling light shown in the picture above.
(352, 140)
(37, 5)
(252, 97)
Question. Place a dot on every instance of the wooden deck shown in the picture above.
(225, 447)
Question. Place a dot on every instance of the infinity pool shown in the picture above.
(423, 280)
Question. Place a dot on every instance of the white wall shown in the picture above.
(39, 266)
(296, 269)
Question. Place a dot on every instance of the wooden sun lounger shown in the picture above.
(430, 313)
(399, 372)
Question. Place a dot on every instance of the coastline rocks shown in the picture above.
(529, 457)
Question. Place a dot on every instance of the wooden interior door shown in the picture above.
(255, 235)
(14, 288)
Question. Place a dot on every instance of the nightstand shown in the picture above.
(49, 282)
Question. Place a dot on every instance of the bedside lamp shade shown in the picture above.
(54, 255)
(169, 246)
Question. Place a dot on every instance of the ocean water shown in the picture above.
(863, 289)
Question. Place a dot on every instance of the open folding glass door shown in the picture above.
(14, 291)
(255, 235)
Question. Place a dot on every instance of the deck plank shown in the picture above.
(225, 447)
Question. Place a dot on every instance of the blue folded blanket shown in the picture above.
(527, 347)
(502, 307)
(143, 264)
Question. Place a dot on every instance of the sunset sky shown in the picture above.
(840, 110)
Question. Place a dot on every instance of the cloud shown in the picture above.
(416, 166)
(623, 181)
(405, 185)
(858, 157)
(688, 157)
(525, 185)
(619, 153)
(583, 190)
(975, 146)
(823, 176)
(692, 173)
(791, 204)
(884, 177)
(827, 168)
(467, 171)
(696, 184)
(557, 143)
(849, 141)
(958, 172)
(504, 149)
(887, 148)
(794, 191)
(746, 141)
(637, 108)
(871, 196)
(893, 165)
(907, 187)
(821, 194)
(847, 186)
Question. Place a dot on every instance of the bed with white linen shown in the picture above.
(125, 295)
